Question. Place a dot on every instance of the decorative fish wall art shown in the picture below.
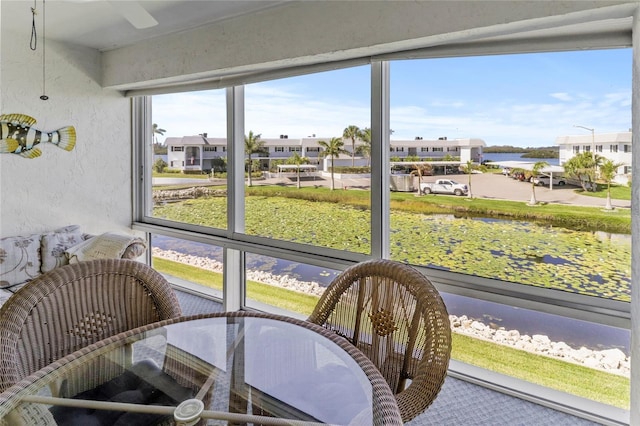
(17, 136)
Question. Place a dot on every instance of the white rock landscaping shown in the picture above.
(609, 360)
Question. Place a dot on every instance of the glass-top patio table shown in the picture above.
(223, 368)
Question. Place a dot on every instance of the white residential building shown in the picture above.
(199, 153)
(613, 146)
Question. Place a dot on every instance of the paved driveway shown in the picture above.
(497, 186)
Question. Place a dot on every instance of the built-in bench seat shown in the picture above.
(23, 258)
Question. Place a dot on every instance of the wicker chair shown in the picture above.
(397, 318)
(74, 306)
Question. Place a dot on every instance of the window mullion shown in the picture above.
(380, 197)
(234, 276)
(635, 224)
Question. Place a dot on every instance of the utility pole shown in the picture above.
(593, 138)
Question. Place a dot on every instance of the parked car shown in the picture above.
(444, 186)
(544, 180)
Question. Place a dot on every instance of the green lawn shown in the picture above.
(596, 385)
(618, 192)
(550, 372)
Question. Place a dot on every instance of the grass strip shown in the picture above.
(564, 376)
(593, 384)
(282, 298)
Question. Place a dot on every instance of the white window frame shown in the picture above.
(571, 305)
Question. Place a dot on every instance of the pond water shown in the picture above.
(574, 333)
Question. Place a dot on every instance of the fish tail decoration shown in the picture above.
(32, 153)
(65, 138)
(8, 145)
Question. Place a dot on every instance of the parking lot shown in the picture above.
(483, 185)
(497, 186)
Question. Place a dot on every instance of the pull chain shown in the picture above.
(33, 43)
(44, 49)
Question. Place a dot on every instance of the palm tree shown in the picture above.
(535, 172)
(352, 132)
(155, 130)
(365, 148)
(608, 171)
(469, 169)
(583, 167)
(252, 144)
(420, 170)
(333, 149)
(297, 160)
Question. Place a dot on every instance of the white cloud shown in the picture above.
(562, 96)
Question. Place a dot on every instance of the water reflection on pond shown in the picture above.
(574, 333)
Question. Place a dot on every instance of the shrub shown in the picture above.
(352, 170)
(159, 165)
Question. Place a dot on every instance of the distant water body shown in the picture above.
(517, 157)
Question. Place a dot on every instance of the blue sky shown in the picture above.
(521, 100)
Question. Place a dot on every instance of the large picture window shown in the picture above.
(475, 194)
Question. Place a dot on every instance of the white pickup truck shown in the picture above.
(444, 186)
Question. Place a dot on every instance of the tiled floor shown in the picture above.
(459, 402)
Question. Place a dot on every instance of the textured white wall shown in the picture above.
(89, 186)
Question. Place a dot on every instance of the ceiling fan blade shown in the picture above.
(133, 12)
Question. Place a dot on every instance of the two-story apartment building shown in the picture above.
(199, 153)
(613, 146)
(195, 153)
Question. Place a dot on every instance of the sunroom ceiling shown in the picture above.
(103, 25)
